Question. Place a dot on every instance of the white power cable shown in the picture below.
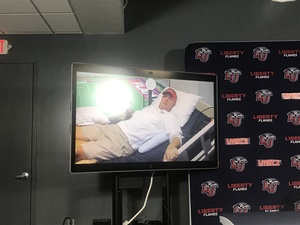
(145, 202)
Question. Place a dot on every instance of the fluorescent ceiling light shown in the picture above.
(283, 0)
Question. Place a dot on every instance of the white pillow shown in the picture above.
(185, 105)
(90, 115)
(153, 142)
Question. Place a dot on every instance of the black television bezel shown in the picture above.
(140, 166)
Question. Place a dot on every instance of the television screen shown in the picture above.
(132, 119)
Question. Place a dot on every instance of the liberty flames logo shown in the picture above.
(209, 188)
(235, 118)
(294, 117)
(263, 96)
(241, 207)
(267, 140)
(232, 75)
(291, 74)
(297, 206)
(270, 185)
(261, 53)
(238, 163)
(295, 161)
(203, 54)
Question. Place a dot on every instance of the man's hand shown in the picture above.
(171, 153)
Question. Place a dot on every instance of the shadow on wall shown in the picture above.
(139, 12)
(174, 60)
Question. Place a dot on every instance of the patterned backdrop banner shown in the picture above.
(259, 129)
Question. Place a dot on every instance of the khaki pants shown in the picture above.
(105, 142)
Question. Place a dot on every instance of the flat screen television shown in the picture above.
(106, 96)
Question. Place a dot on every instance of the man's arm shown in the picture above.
(172, 150)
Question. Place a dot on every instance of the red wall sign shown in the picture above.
(4, 47)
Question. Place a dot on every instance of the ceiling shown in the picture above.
(62, 16)
(85, 16)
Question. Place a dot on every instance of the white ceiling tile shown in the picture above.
(100, 17)
(16, 6)
(38, 16)
(62, 22)
(52, 6)
(23, 24)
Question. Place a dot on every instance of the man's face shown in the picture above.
(167, 102)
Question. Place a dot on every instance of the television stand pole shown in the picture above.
(117, 203)
(117, 213)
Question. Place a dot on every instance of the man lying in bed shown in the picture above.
(104, 142)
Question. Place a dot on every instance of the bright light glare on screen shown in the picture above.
(113, 97)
